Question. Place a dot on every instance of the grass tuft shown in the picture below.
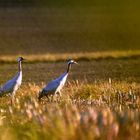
(103, 110)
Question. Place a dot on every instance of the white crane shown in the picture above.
(12, 85)
(55, 86)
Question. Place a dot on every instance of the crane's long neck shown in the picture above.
(19, 66)
(68, 68)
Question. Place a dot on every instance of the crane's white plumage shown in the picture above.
(12, 85)
(55, 86)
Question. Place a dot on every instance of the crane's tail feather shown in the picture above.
(1, 93)
(41, 94)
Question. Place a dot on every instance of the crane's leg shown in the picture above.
(40, 96)
(12, 96)
(51, 96)
(59, 95)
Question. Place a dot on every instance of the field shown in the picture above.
(101, 99)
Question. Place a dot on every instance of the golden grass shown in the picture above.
(87, 56)
(112, 114)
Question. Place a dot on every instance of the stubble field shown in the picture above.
(101, 99)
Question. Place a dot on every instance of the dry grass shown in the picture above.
(103, 110)
(77, 56)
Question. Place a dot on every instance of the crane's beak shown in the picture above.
(75, 62)
(24, 59)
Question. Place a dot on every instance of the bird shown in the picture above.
(54, 87)
(12, 85)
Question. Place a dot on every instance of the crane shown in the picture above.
(12, 85)
(55, 86)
